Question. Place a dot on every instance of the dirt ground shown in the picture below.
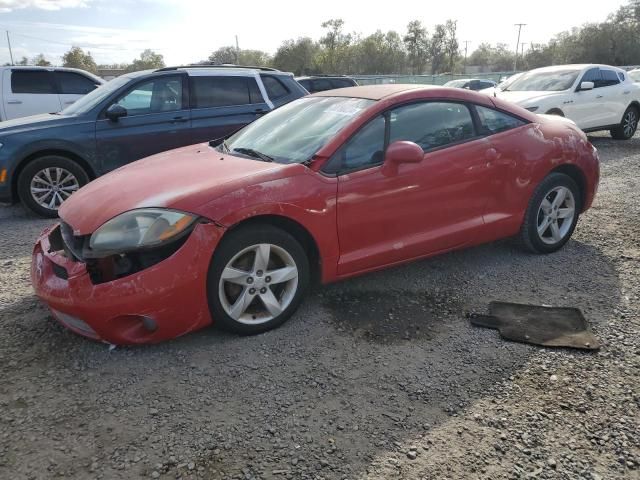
(375, 378)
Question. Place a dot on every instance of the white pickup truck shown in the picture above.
(32, 90)
(595, 97)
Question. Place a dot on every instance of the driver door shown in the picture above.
(158, 119)
(387, 215)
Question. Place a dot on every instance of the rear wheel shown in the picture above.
(46, 182)
(628, 126)
(257, 279)
(552, 214)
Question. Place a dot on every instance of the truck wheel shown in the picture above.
(47, 181)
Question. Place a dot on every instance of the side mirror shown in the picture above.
(115, 111)
(403, 152)
(587, 86)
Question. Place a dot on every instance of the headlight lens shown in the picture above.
(146, 227)
(532, 109)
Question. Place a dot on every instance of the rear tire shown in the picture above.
(257, 279)
(46, 182)
(552, 214)
(628, 126)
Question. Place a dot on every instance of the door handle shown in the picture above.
(69, 102)
(179, 120)
(14, 102)
(599, 96)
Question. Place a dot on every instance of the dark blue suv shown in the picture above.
(45, 158)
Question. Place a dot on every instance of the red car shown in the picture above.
(329, 186)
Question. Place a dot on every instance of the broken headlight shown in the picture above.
(140, 229)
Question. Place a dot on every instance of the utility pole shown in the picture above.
(523, 44)
(515, 60)
(237, 50)
(466, 46)
(9, 43)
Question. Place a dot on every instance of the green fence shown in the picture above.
(427, 79)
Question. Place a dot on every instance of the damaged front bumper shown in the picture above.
(163, 301)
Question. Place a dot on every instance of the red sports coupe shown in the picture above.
(332, 185)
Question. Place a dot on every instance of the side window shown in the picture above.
(621, 76)
(220, 91)
(431, 124)
(609, 77)
(74, 83)
(365, 148)
(306, 84)
(155, 96)
(494, 121)
(321, 84)
(592, 75)
(341, 83)
(274, 87)
(32, 81)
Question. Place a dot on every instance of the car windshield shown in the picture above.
(544, 81)
(635, 75)
(90, 100)
(295, 132)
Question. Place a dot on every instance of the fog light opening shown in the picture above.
(149, 323)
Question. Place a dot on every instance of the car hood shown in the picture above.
(524, 97)
(34, 122)
(182, 179)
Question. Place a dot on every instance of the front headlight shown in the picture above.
(532, 109)
(143, 228)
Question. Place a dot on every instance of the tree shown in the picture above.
(228, 54)
(23, 61)
(451, 46)
(416, 43)
(76, 58)
(437, 49)
(336, 43)
(297, 56)
(256, 58)
(148, 60)
(40, 61)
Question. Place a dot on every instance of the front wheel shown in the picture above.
(627, 128)
(257, 279)
(46, 182)
(552, 214)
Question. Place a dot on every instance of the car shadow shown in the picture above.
(365, 366)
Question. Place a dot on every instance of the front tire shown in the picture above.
(46, 182)
(552, 214)
(628, 126)
(257, 279)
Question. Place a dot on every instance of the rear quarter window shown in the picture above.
(221, 91)
(274, 87)
(495, 121)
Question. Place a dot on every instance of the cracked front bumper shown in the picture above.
(158, 303)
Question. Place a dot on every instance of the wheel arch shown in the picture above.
(635, 104)
(86, 166)
(554, 111)
(577, 175)
(293, 227)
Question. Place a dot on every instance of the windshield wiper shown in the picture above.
(253, 153)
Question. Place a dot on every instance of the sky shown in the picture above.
(186, 31)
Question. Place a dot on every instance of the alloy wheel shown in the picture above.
(258, 284)
(630, 123)
(53, 185)
(556, 215)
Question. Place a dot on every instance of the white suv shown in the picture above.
(595, 97)
(32, 90)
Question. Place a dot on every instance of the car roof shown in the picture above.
(51, 69)
(375, 92)
(318, 77)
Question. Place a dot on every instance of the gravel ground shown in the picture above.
(377, 377)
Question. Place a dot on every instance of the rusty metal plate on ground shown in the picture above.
(540, 325)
